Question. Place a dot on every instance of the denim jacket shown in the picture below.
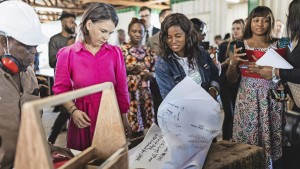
(169, 72)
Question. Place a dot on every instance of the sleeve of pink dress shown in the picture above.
(62, 81)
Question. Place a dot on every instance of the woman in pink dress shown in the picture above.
(88, 62)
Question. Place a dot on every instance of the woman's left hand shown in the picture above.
(253, 68)
(81, 119)
(265, 72)
(126, 125)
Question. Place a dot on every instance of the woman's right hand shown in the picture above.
(235, 57)
(81, 119)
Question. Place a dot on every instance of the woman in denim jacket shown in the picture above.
(181, 55)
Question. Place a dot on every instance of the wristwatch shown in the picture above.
(275, 78)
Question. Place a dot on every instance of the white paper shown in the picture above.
(273, 59)
(151, 153)
(189, 118)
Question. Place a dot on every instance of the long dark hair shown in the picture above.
(260, 11)
(191, 42)
(97, 12)
(293, 20)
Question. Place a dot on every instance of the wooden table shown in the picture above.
(230, 155)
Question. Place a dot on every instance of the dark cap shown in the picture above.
(66, 15)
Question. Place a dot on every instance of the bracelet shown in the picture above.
(73, 111)
(71, 108)
(214, 88)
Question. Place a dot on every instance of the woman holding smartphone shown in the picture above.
(258, 119)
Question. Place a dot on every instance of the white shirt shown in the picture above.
(193, 73)
(150, 29)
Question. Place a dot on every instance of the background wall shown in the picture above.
(279, 8)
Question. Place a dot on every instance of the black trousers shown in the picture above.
(291, 154)
(58, 124)
(228, 93)
(156, 97)
(291, 157)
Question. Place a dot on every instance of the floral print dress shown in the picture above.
(258, 119)
(141, 111)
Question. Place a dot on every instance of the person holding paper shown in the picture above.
(258, 119)
(181, 56)
(290, 75)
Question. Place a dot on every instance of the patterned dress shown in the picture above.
(140, 114)
(258, 119)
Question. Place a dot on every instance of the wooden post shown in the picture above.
(109, 138)
(32, 147)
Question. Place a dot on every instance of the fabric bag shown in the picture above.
(295, 90)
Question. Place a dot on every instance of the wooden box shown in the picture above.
(109, 144)
(230, 155)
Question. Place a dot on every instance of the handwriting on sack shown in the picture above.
(155, 149)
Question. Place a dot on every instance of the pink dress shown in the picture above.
(78, 68)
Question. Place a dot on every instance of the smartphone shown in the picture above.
(205, 45)
(239, 44)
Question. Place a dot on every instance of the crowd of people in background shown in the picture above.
(146, 68)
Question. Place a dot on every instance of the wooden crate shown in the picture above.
(109, 143)
(230, 155)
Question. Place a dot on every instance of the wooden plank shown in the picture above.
(32, 148)
(150, 4)
(62, 98)
(73, 10)
(80, 160)
(108, 141)
(116, 159)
